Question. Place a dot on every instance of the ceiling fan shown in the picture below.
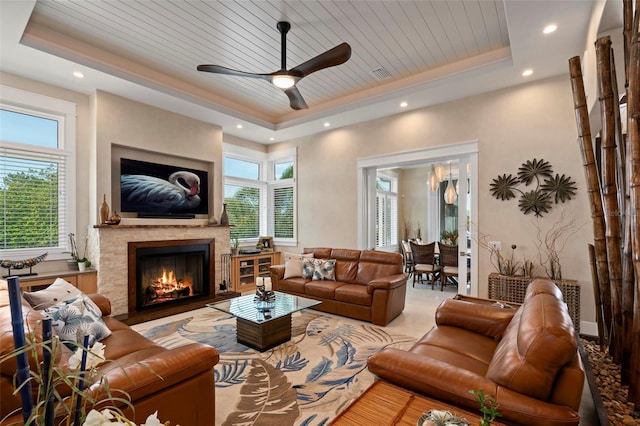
(287, 79)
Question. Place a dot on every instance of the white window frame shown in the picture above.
(266, 184)
(387, 195)
(64, 112)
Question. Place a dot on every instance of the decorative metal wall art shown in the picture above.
(549, 188)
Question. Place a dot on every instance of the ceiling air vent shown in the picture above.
(380, 73)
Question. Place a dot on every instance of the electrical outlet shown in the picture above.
(495, 245)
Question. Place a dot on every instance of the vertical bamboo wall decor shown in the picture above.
(614, 196)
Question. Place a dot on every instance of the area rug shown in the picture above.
(306, 381)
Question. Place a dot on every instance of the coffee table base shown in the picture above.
(263, 335)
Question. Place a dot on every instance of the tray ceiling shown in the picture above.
(398, 47)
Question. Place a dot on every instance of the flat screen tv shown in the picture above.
(162, 190)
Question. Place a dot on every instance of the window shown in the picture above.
(259, 190)
(386, 211)
(36, 174)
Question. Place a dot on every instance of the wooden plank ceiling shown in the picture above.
(391, 40)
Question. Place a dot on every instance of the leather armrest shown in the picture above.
(277, 272)
(480, 318)
(103, 303)
(161, 371)
(387, 283)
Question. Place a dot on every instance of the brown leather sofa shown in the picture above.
(527, 357)
(369, 285)
(178, 383)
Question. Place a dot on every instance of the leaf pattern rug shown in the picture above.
(306, 381)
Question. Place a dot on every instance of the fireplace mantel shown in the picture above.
(108, 252)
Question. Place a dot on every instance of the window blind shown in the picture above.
(32, 198)
(283, 211)
(243, 208)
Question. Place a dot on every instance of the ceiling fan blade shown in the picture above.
(332, 57)
(228, 71)
(295, 98)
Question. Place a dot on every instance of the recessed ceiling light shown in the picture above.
(527, 73)
(239, 126)
(403, 104)
(78, 74)
(327, 124)
(272, 139)
(550, 28)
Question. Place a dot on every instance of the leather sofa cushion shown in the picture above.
(353, 293)
(346, 264)
(323, 289)
(538, 342)
(293, 285)
(318, 252)
(465, 349)
(540, 286)
(374, 264)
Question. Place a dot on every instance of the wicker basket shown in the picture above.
(513, 289)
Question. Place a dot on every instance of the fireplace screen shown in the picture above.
(169, 274)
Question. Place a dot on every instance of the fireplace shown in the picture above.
(163, 274)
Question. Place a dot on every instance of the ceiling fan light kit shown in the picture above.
(283, 81)
(287, 79)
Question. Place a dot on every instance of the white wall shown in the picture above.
(512, 126)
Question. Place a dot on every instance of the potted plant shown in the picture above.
(83, 262)
(235, 244)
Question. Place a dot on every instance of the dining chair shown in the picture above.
(407, 256)
(424, 261)
(449, 264)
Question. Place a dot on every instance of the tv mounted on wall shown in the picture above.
(162, 190)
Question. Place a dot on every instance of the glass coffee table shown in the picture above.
(262, 326)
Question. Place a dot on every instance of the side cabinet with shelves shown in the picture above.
(86, 281)
(246, 268)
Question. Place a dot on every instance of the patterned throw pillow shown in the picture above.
(308, 267)
(75, 318)
(325, 270)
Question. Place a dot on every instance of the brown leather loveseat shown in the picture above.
(178, 383)
(369, 285)
(527, 357)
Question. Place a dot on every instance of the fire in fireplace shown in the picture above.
(162, 272)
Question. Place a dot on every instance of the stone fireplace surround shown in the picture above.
(108, 251)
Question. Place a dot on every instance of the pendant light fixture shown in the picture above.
(441, 172)
(433, 180)
(450, 194)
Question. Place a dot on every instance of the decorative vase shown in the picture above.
(104, 210)
(224, 218)
(114, 219)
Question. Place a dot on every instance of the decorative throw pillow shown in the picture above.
(293, 264)
(325, 270)
(75, 318)
(59, 291)
(308, 267)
